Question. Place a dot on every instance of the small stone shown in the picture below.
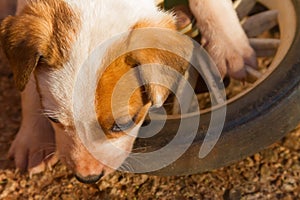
(232, 194)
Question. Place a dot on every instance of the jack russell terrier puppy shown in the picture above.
(49, 41)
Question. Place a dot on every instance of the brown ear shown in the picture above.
(44, 29)
(23, 39)
(159, 72)
(163, 56)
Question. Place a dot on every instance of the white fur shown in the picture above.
(224, 38)
(101, 20)
(97, 27)
(58, 86)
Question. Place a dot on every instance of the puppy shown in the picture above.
(49, 42)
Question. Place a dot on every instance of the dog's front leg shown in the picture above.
(223, 36)
(34, 146)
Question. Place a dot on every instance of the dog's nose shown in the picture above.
(89, 179)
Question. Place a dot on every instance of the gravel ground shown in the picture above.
(273, 173)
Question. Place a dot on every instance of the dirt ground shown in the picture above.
(273, 173)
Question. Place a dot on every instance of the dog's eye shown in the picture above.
(54, 120)
(120, 126)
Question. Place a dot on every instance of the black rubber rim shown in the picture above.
(255, 121)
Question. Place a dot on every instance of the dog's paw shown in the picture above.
(231, 56)
(34, 147)
(46, 163)
(223, 37)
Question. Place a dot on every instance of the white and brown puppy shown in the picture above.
(49, 41)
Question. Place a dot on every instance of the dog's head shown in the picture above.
(50, 42)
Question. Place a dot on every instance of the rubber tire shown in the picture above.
(254, 121)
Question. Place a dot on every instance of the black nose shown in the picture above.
(89, 179)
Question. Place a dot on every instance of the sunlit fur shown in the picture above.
(50, 41)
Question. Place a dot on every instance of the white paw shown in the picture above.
(225, 40)
(231, 57)
(34, 147)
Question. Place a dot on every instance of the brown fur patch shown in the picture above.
(167, 22)
(42, 33)
(104, 94)
(134, 107)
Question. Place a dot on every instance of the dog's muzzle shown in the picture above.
(89, 179)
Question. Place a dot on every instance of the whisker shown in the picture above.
(136, 158)
(49, 156)
(141, 148)
(126, 167)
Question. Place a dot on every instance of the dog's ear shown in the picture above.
(43, 31)
(162, 56)
(159, 71)
(23, 39)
